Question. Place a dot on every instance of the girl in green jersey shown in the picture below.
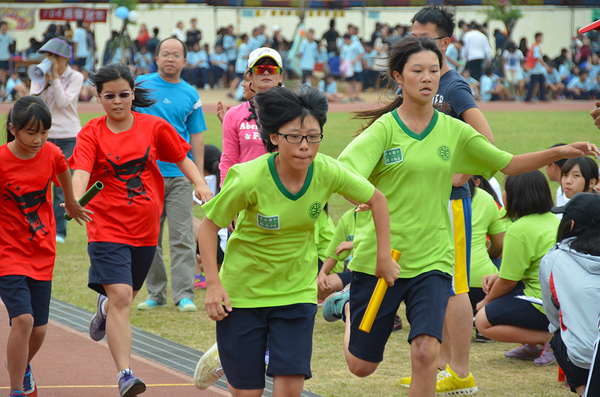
(279, 197)
(407, 148)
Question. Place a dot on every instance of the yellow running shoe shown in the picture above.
(449, 384)
(209, 369)
(405, 382)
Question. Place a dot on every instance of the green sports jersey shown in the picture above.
(415, 171)
(525, 243)
(486, 221)
(271, 257)
(324, 230)
(343, 232)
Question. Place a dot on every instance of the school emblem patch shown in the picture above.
(315, 210)
(392, 156)
(444, 153)
(268, 222)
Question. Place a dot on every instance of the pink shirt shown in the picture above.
(241, 140)
(61, 97)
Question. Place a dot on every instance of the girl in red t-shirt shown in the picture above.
(28, 232)
(120, 150)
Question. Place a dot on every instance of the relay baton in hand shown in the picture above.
(96, 187)
(375, 302)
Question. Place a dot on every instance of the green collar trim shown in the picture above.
(414, 135)
(281, 186)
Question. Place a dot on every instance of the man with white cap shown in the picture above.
(60, 90)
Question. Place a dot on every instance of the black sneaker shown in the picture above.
(481, 339)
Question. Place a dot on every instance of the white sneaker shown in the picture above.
(208, 370)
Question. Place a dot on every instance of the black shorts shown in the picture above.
(242, 339)
(114, 263)
(576, 376)
(80, 62)
(346, 277)
(508, 310)
(239, 76)
(232, 62)
(426, 297)
(358, 77)
(24, 295)
(4, 65)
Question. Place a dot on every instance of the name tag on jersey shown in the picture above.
(392, 156)
(268, 222)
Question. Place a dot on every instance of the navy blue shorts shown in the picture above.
(576, 376)
(239, 76)
(346, 277)
(508, 310)
(426, 297)
(4, 65)
(114, 263)
(24, 295)
(242, 339)
(80, 62)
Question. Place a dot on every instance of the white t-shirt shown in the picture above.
(476, 46)
(513, 61)
(80, 37)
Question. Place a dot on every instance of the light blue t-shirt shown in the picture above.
(5, 41)
(537, 54)
(486, 86)
(351, 52)
(309, 51)
(452, 52)
(230, 47)
(582, 85)
(222, 57)
(180, 105)
(200, 56)
(552, 78)
(241, 64)
(594, 69)
(331, 88)
(253, 43)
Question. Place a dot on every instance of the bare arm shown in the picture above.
(81, 179)
(500, 288)
(215, 293)
(71, 205)
(497, 243)
(322, 279)
(190, 171)
(386, 268)
(197, 143)
(532, 161)
(476, 119)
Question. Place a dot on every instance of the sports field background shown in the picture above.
(516, 132)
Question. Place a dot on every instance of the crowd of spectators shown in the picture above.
(360, 61)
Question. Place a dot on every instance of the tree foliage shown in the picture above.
(505, 11)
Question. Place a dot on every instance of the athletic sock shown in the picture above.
(103, 307)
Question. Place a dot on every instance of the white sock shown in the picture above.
(103, 307)
(123, 373)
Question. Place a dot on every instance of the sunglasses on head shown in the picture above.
(261, 69)
(110, 96)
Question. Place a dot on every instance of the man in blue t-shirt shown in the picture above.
(179, 104)
(438, 24)
(309, 50)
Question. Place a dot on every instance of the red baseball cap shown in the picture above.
(592, 26)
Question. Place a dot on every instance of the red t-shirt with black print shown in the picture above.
(27, 225)
(128, 209)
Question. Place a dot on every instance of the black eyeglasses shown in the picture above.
(297, 138)
(432, 38)
(111, 96)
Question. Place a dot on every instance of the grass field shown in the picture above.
(516, 132)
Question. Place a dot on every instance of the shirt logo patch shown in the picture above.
(166, 101)
(392, 156)
(268, 222)
(350, 237)
(315, 210)
(444, 152)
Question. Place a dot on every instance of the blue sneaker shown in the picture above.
(98, 322)
(129, 385)
(333, 306)
(17, 393)
(29, 387)
(150, 304)
(186, 305)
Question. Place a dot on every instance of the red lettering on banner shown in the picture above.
(73, 14)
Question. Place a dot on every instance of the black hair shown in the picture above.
(116, 71)
(28, 109)
(347, 36)
(332, 23)
(483, 184)
(511, 47)
(587, 239)
(588, 167)
(212, 159)
(442, 17)
(560, 162)
(243, 37)
(80, 23)
(155, 31)
(527, 194)
(172, 38)
(489, 71)
(538, 34)
(2, 23)
(399, 55)
(280, 105)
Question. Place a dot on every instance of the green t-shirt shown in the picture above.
(324, 230)
(485, 221)
(343, 232)
(271, 257)
(415, 171)
(525, 243)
